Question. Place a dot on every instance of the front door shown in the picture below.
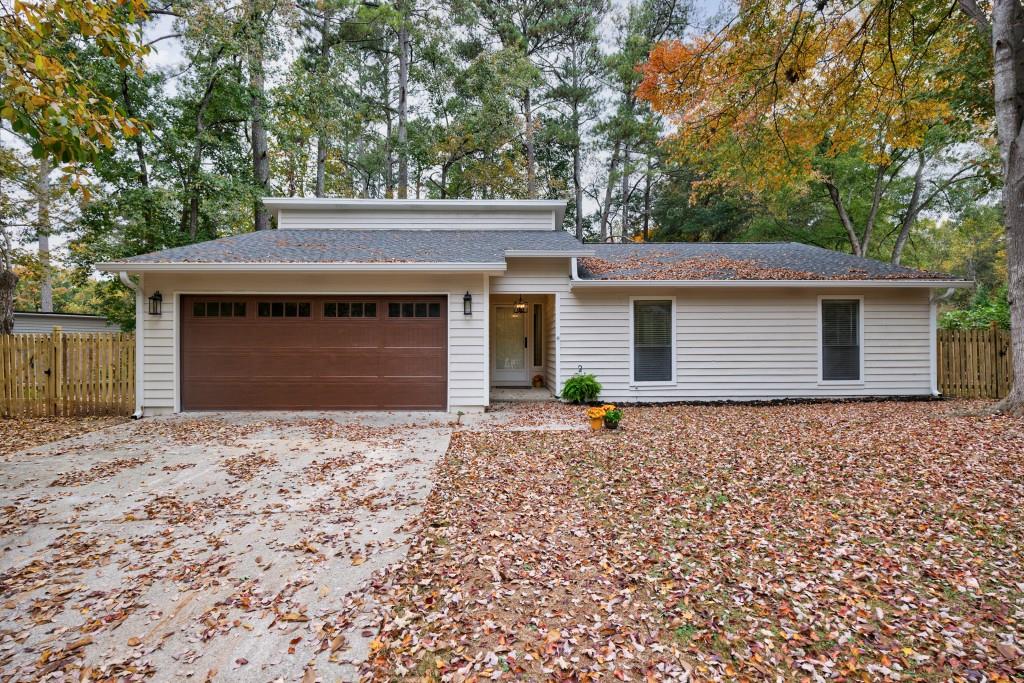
(508, 347)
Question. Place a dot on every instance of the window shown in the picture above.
(284, 309)
(653, 357)
(538, 335)
(350, 309)
(840, 340)
(414, 309)
(218, 309)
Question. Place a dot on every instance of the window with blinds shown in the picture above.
(840, 339)
(652, 341)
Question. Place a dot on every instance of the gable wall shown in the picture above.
(370, 219)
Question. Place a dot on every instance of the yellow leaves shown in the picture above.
(757, 101)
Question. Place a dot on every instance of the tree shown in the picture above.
(1005, 29)
(576, 74)
(783, 97)
(46, 96)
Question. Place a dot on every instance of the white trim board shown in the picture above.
(633, 383)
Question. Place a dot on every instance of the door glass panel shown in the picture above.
(508, 339)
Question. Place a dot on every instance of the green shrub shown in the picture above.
(986, 309)
(581, 389)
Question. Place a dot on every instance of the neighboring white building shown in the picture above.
(26, 322)
(428, 304)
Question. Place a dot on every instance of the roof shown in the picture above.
(275, 204)
(702, 261)
(334, 246)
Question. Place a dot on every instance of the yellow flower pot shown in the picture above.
(596, 423)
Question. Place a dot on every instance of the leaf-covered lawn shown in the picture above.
(18, 434)
(804, 542)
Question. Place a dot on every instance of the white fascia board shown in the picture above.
(542, 253)
(492, 268)
(908, 283)
(406, 204)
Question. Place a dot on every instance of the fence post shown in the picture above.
(56, 402)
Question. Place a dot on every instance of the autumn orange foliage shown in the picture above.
(781, 86)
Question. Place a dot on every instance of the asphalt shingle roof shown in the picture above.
(736, 261)
(365, 246)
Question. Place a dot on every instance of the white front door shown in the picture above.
(508, 347)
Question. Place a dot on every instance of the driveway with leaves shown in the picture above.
(858, 541)
(215, 547)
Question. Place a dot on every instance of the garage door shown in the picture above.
(296, 353)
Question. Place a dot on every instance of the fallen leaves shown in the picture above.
(861, 541)
(18, 434)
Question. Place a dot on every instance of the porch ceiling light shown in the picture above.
(520, 306)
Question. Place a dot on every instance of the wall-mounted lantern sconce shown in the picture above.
(467, 304)
(155, 303)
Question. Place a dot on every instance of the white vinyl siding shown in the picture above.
(747, 344)
(43, 323)
(418, 219)
(466, 334)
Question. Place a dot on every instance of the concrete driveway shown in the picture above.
(220, 546)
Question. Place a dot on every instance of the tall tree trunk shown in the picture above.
(647, 200)
(1008, 51)
(43, 230)
(321, 136)
(913, 208)
(8, 281)
(577, 185)
(531, 152)
(606, 210)
(258, 130)
(190, 213)
(625, 191)
(404, 54)
(844, 217)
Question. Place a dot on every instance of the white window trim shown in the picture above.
(860, 341)
(675, 361)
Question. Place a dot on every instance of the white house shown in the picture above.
(27, 322)
(429, 304)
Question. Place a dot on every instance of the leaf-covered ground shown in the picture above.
(18, 434)
(864, 541)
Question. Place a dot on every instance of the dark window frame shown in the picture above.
(347, 306)
(829, 365)
(410, 310)
(284, 306)
(218, 309)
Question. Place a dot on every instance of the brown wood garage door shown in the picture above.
(324, 352)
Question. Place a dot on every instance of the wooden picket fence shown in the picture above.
(974, 363)
(83, 373)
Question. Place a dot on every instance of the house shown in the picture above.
(431, 304)
(26, 322)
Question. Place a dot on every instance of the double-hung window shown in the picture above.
(653, 341)
(841, 340)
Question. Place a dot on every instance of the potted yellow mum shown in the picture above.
(596, 416)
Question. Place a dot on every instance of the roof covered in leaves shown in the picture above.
(367, 246)
(737, 261)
